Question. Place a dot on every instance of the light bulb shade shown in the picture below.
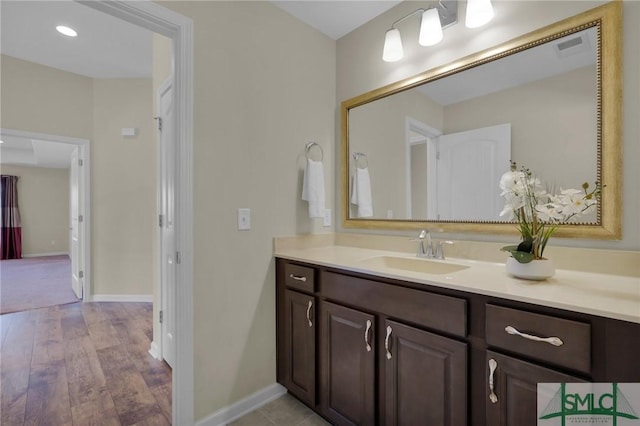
(479, 12)
(430, 28)
(392, 46)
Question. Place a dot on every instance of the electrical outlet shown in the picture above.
(389, 214)
(244, 219)
(326, 219)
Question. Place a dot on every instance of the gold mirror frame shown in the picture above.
(608, 20)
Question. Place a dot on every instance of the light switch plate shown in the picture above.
(244, 219)
(326, 219)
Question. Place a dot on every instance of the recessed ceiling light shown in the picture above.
(66, 31)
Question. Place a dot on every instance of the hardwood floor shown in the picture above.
(82, 364)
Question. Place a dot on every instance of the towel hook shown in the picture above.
(357, 156)
(310, 145)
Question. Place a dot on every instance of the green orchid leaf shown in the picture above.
(522, 256)
(509, 248)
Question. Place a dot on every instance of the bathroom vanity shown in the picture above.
(364, 341)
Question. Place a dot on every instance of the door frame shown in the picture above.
(84, 180)
(179, 28)
(430, 135)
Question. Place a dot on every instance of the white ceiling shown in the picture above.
(106, 47)
(34, 152)
(335, 18)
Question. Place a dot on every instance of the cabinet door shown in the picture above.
(515, 389)
(347, 365)
(300, 346)
(425, 378)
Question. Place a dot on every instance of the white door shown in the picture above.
(167, 158)
(75, 225)
(469, 167)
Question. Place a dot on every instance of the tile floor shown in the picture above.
(284, 411)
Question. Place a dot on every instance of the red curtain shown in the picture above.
(11, 241)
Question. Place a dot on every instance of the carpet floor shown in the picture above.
(35, 282)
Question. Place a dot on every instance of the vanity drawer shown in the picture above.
(299, 277)
(435, 311)
(574, 352)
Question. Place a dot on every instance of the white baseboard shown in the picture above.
(154, 350)
(120, 298)
(235, 411)
(57, 253)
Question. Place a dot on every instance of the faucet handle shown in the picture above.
(440, 250)
(423, 234)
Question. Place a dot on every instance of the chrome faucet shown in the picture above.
(424, 250)
(425, 246)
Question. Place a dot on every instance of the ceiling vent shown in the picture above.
(572, 45)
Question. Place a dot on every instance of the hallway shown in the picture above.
(82, 364)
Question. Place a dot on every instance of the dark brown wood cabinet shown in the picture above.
(347, 365)
(397, 353)
(300, 345)
(514, 384)
(425, 378)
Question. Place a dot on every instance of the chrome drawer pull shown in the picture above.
(366, 336)
(387, 343)
(492, 368)
(555, 341)
(297, 278)
(309, 313)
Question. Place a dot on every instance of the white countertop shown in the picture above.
(605, 295)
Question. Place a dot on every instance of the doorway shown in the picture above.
(179, 28)
(77, 152)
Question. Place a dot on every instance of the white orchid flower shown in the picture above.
(548, 212)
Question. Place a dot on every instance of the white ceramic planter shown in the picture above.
(535, 270)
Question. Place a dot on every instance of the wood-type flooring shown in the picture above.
(85, 363)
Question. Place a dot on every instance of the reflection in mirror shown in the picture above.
(446, 143)
(438, 143)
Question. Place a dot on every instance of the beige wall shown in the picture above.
(360, 69)
(43, 198)
(264, 85)
(123, 194)
(40, 99)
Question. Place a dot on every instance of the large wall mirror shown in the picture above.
(430, 149)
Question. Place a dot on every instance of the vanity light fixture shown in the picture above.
(70, 32)
(433, 20)
(479, 12)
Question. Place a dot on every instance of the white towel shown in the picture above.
(313, 188)
(361, 192)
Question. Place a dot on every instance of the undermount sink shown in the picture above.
(413, 264)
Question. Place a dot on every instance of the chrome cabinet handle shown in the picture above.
(555, 341)
(309, 313)
(492, 368)
(387, 343)
(297, 278)
(366, 336)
